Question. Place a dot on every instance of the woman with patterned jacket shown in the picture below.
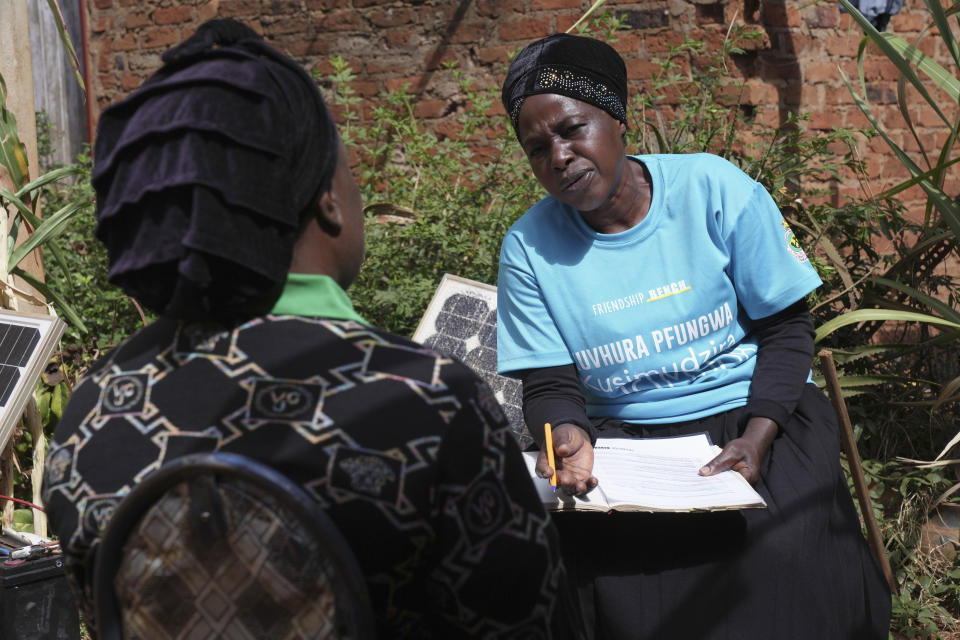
(226, 203)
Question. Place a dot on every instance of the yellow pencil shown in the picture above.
(549, 445)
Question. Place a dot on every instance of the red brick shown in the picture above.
(366, 110)
(908, 22)
(496, 55)
(768, 118)
(875, 68)
(523, 28)
(134, 20)
(207, 11)
(564, 22)
(806, 45)
(366, 3)
(496, 110)
(365, 89)
(641, 69)
(928, 46)
(104, 63)
(839, 95)
(442, 14)
(628, 44)
(391, 17)
(396, 65)
(173, 15)
(431, 108)
(485, 152)
(759, 93)
(824, 120)
(824, 16)
(313, 47)
(102, 24)
(103, 4)
(497, 8)
(126, 43)
(297, 48)
(396, 84)
(448, 129)
(108, 83)
(341, 21)
(842, 45)
(397, 38)
(323, 68)
(813, 73)
(281, 7)
(236, 8)
(160, 37)
(546, 5)
(129, 82)
(925, 116)
(781, 16)
(337, 112)
(470, 33)
(327, 5)
(433, 62)
(286, 25)
(660, 43)
(878, 145)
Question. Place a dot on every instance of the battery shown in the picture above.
(36, 602)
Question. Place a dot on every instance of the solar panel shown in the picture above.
(461, 321)
(26, 342)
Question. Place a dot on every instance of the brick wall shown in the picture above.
(388, 43)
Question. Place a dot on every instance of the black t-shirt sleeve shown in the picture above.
(552, 394)
(784, 354)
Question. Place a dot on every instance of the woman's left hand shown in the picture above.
(744, 454)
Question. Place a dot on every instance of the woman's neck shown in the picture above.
(629, 203)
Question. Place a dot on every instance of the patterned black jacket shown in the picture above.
(407, 450)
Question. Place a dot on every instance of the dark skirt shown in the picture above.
(798, 569)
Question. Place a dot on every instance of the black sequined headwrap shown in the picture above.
(574, 66)
(203, 175)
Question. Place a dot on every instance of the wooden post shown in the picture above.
(856, 465)
(35, 425)
(6, 484)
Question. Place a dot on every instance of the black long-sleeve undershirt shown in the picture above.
(784, 353)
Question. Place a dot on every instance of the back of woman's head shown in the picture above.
(204, 175)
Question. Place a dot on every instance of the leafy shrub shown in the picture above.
(79, 273)
(436, 205)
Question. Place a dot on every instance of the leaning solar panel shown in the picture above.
(17, 344)
(461, 321)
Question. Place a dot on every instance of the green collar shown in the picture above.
(307, 294)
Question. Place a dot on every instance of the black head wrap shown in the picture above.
(574, 66)
(203, 175)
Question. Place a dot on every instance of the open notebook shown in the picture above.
(653, 474)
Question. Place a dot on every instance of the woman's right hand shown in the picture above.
(573, 455)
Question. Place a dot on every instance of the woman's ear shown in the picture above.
(329, 215)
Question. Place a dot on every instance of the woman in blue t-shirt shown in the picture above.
(664, 295)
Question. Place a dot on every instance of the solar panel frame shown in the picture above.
(27, 340)
(460, 321)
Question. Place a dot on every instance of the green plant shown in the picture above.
(693, 104)
(908, 290)
(928, 598)
(437, 205)
(24, 219)
(79, 273)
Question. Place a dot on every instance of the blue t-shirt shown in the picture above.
(656, 318)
